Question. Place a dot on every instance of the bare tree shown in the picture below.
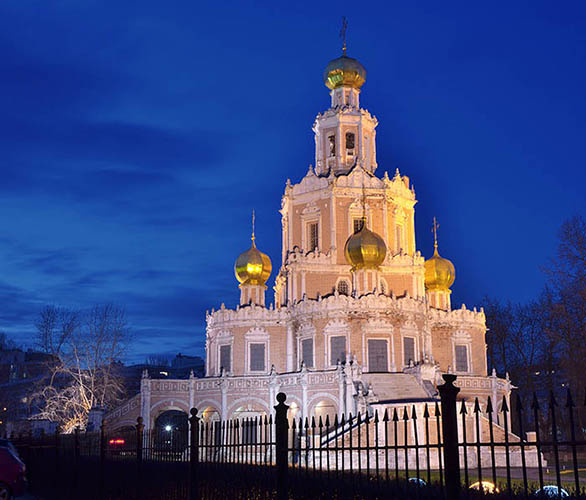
(88, 347)
(55, 326)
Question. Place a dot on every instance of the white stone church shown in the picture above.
(360, 321)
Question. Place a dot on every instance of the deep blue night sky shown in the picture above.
(136, 138)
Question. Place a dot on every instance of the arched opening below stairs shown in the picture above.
(170, 433)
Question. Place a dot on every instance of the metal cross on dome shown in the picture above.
(343, 33)
(434, 231)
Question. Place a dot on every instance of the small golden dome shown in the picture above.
(344, 71)
(365, 249)
(439, 273)
(252, 267)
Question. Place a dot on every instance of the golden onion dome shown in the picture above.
(440, 273)
(365, 249)
(252, 267)
(344, 71)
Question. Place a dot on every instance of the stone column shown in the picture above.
(289, 348)
(341, 401)
(273, 389)
(224, 396)
(145, 397)
(191, 390)
(303, 381)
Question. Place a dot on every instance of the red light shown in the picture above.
(117, 441)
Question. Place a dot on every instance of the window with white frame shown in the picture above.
(357, 224)
(337, 349)
(307, 352)
(378, 357)
(226, 358)
(343, 287)
(408, 350)
(257, 357)
(312, 235)
(461, 353)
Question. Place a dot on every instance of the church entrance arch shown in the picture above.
(210, 414)
(325, 408)
(251, 422)
(170, 433)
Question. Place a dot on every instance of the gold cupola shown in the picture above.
(344, 71)
(440, 273)
(365, 249)
(252, 267)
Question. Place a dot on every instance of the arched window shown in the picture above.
(332, 144)
(350, 144)
(343, 287)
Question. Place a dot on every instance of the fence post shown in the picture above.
(193, 454)
(139, 443)
(56, 476)
(75, 482)
(448, 392)
(281, 438)
(102, 458)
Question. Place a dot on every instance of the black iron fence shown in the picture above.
(438, 449)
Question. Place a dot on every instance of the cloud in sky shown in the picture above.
(136, 140)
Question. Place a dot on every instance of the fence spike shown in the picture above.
(350, 418)
(489, 409)
(386, 415)
(343, 420)
(376, 416)
(413, 413)
(569, 400)
(266, 419)
(313, 423)
(463, 410)
(395, 416)
(271, 419)
(405, 414)
(336, 423)
(504, 406)
(426, 411)
(438, 413)
(367, 419)
(358, 419)
(476, 405)
(535, 402)
(552, 402)
(327, 421)
(320, 424)
(293, 426)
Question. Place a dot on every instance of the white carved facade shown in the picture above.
(335, 340)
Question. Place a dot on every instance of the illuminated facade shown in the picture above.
(360, 320)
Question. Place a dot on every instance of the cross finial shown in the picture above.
(343, 34)
(435, 228)
(253, 226)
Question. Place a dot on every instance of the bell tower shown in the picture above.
(345, 133)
